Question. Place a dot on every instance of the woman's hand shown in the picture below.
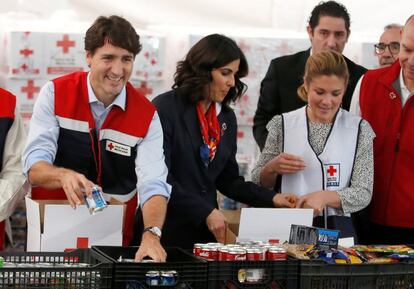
(285, 200)
(315, 201)
(279, 165)
(217, 223)
(286, 164)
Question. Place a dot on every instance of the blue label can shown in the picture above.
(97, 202)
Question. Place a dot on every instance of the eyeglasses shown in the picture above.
(393, 47)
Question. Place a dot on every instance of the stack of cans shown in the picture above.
(250, 251)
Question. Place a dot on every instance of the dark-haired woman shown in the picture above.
(200, 132)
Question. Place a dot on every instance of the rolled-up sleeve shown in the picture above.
(150, 164)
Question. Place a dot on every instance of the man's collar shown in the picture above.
(119, 101)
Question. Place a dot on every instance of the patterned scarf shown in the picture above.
(210, 132)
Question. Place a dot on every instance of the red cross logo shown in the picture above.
(26, 52)
(110, 146)
(30, 89)
(331, 171)
(65, 43)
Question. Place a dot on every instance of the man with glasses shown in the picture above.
(389, 45)
(384, 97)
(329, 28)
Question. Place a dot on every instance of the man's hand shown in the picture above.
(285, 200)
(216, 223)
(151, 247)
(75, 186)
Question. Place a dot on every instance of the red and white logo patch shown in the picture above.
(332, 174)
(118, 148)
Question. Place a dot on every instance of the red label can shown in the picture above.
(276, 253)
(236, 254)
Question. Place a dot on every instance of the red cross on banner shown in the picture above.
(30, 89)
(331, 171)
(26, 52)
(65, 43)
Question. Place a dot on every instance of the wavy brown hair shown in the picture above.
(211, 52)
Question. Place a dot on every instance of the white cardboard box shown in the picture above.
(55, 226)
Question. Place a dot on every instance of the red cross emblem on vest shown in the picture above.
(332, 175)
(331, 170)
(110, 146)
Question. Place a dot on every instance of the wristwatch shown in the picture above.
(154, 230)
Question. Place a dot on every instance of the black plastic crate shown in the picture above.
(79, 269)
(243, 274)
(191, 272)
(321, 275)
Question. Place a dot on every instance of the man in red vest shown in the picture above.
(93, 128)
(384, 97)
(13, 184)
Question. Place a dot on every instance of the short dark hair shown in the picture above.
(115, 30)
(194, 72)
(329, 8)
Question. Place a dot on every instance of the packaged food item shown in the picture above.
(97, 202)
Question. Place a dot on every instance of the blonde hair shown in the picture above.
(326, 62)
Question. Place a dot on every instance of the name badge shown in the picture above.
(118, 148)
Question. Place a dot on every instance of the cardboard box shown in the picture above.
(233, 221)
(55, 226)
(64, 53)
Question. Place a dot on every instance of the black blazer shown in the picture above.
(278, 90)
(194, 186)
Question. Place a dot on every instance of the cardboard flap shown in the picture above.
(33, 214)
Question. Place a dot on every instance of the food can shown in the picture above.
(276, 253)
(168, 278)
(236, 254)
(152, 278)
(197, 248)
(97, 202)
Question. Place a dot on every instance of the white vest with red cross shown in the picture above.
(332, 169)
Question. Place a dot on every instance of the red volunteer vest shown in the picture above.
(393, 196)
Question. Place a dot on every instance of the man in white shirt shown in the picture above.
(95, 128)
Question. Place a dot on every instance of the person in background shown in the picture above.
(320, 152)
(13, 185)
(384, 97)
(389, 45)
(93, 128)
(200, 134)
(328, 29)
